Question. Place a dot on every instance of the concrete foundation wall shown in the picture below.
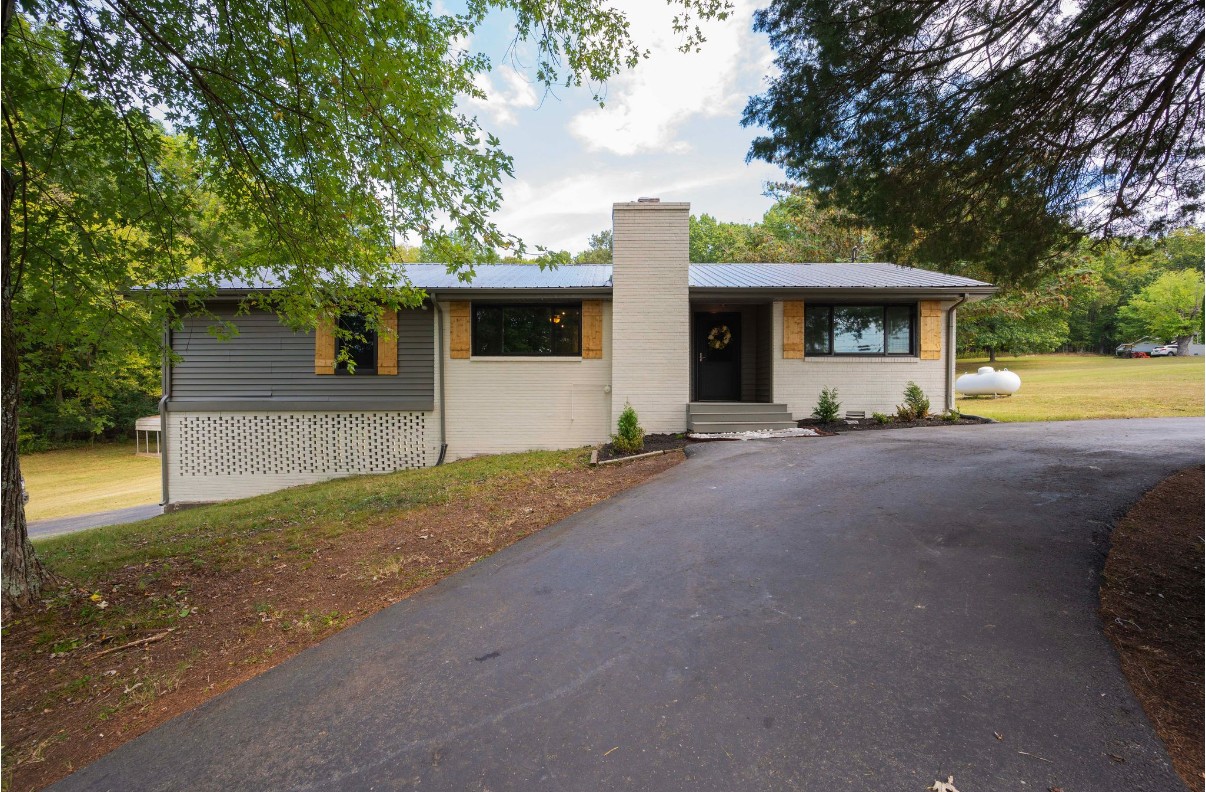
(216, 456)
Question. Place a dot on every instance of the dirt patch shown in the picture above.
(868, 424)
(653, 442)
(1152, 597)
(71, 696)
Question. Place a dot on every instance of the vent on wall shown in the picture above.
(277, 444)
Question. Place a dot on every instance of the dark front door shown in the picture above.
(717, 357)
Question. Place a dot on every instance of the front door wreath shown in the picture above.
(720, 337)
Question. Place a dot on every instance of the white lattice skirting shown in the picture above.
(219, 456)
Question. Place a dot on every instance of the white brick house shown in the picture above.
(522, 358)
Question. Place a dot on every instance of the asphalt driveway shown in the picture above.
(64, 525)
(853, 613)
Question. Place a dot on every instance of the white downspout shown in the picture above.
(440, 356)
(163, 411)
(950, 353)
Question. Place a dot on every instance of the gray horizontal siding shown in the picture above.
(267, 361)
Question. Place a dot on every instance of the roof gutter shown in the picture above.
(878, 293)
(950, 352)
(550, 294)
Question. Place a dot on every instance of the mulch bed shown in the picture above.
(653, 442)
(67, 705)
(865, 424)
(662, 442)
(1152, 597)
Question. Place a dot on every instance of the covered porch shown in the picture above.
(731, 352)
(731, 366)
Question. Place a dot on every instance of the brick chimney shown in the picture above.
(651, 313)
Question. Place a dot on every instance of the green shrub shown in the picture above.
(629, 437)
(881, 419)
(828, 407)
(29, 443)
(951, 416)
(905, 413)
(916, 402)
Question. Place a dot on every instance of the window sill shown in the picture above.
(862, 359)
(525, 359)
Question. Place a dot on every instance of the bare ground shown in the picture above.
(1152, 603)
(65, 706)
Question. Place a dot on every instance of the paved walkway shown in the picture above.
(62, 525)
(864, 612)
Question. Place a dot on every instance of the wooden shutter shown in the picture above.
(324, 347)
(931, 330)
(460, 330)
(592, 329)
(387, 343)
(793, 330)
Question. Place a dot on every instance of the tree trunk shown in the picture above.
(21, 572)
(992, 355)
(1183, 343)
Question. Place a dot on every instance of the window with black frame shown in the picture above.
(532, 330)
(355, 346)
(859, 330)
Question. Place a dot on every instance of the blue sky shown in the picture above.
(670, 128)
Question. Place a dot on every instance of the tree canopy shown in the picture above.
(325, 131)
(1080, 302)
(1170, 309)
(598, 249)
(1023, 321)
(795, 229)
(989, 133)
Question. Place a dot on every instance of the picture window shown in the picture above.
(527, 330)
(860, 330)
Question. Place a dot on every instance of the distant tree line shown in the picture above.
(1095, 297)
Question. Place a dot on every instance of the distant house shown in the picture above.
(523, 358)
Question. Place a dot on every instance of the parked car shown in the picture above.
(1167, 350)
(1135, 350)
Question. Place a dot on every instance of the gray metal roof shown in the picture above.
(701, 276)
(722, 277)
(512, 276)
(823, 276)
(486, 276)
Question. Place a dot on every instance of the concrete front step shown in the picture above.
(769, 416)
(711, 417)
(707, 408)
(714, 427)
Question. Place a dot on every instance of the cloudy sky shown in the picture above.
(670, 128)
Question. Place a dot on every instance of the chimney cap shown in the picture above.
(649, 200)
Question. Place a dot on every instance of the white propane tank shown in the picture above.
(988, 382)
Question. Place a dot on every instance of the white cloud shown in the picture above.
(562, 212)
(514, 93)
(646, 107)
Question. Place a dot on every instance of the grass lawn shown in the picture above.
(94, 478)
(1072, 387)
(154, 618)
